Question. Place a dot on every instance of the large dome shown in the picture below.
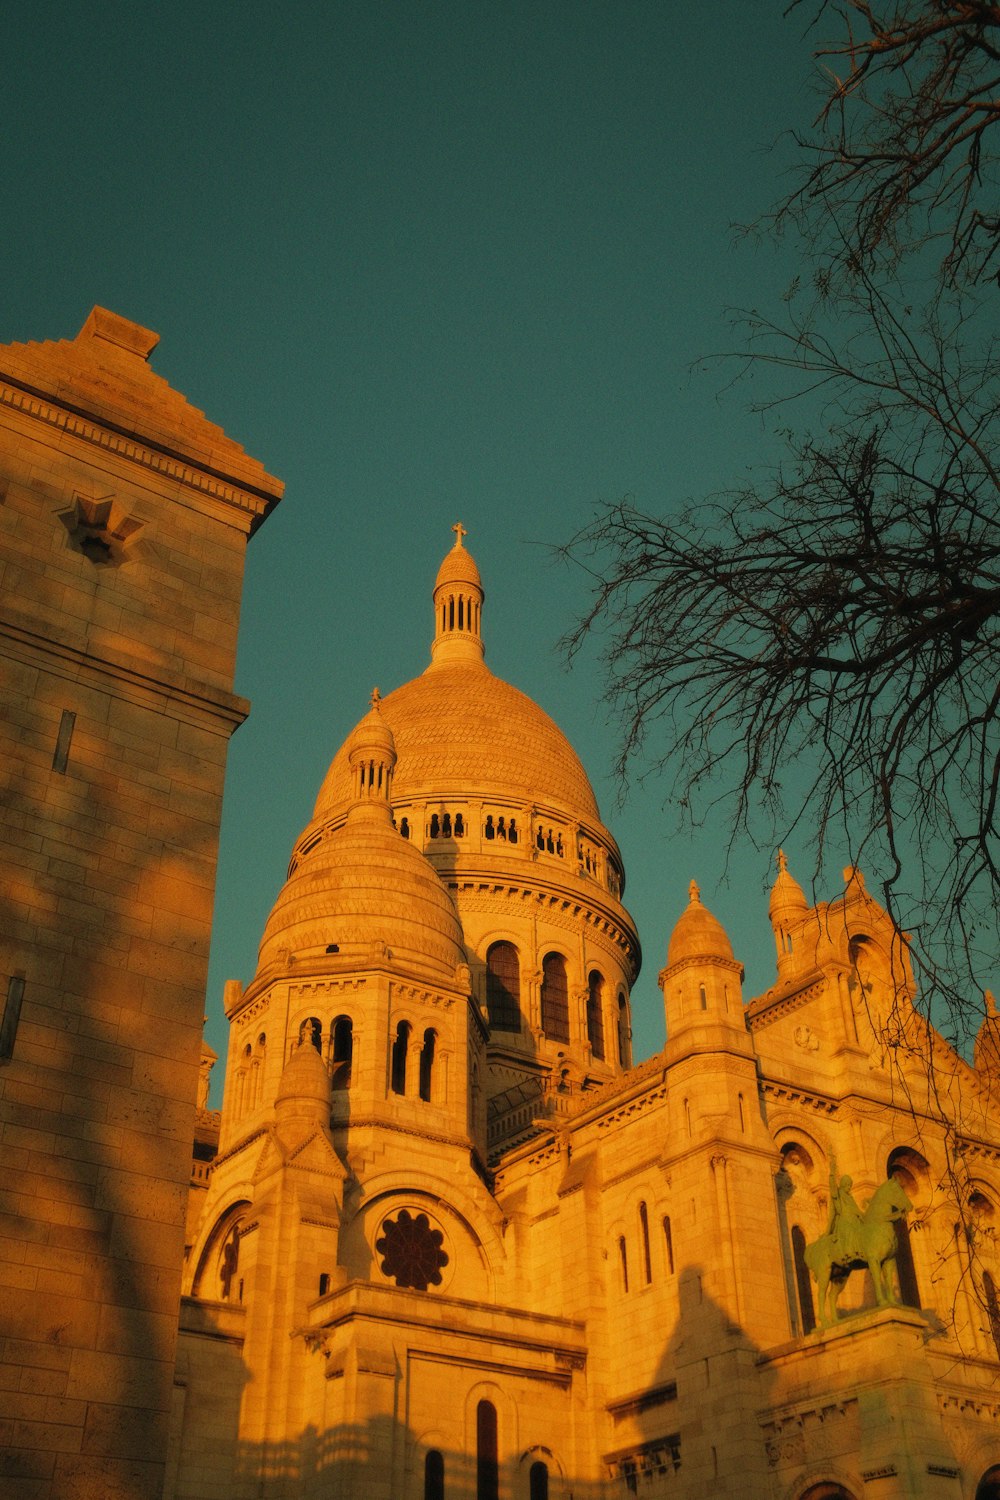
(460, 731)
(457, 727)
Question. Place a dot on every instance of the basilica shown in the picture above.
(446, 1236)
(455, 1241)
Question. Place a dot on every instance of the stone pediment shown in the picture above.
(104, 373)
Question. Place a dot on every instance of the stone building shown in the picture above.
(455, 1243)
(124, 517)
(445, 1238)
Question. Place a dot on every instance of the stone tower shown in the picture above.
(124, 517)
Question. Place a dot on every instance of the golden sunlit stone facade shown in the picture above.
(455, 1244)
(124, 517)
(446, 1239)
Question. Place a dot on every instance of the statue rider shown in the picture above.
(844, 1222)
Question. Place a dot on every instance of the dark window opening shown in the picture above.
(538, 1482)
(489, 831)
(555, 998)
(404, 828)
(623, 1261)
(595, 1014)
(668, 1244)
(503, 987)
(803, 1281)
(400, 1047)
(11, 1014)
(459, 826)
(487, 1465)
(647, 1264)
(427, 1064)
(343, 1052)
(434, 1475)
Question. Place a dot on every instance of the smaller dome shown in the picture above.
(304, 1080)
(372, 734)
(459, 565)
(698, 934)
(787, 896)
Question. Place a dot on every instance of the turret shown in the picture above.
(786, 908)
(702, 982)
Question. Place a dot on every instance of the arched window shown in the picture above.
(503, 987)
(487, 1457)
(538, 1481)
(668, 1244)
(427, 1063)
(647, 1264)
(910, 1170)
(342, 1052)
(702, 997)
(434, 1475)
(623, 1261)
(803, 1281)
(400, 1047)
(435, 825)
(827, 1492)
(595, 1013)
(459, 826)
(489, 831)
(555, 998)
(624, 1034)
(988, 1487)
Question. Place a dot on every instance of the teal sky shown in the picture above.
(427, 263)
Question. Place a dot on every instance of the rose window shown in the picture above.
(411, 1251)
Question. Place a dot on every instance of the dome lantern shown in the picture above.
(371, 755)
(458, 606)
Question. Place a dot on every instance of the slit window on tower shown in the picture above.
(538, 1482)
(647, 1264)
(400, 1047)
(668, 1244)
(623, 1261)
(11, 1014)
(555, 998)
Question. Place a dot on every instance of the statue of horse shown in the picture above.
(869, 1241)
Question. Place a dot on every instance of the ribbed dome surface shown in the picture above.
(367, 890)
(459, 729)
(458, 567)
(698, 934)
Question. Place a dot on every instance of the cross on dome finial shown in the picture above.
(375, 699)
(459, 531)
(693, 892)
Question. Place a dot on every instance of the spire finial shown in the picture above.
(694, 893)
(375, 699)
(459, 531)
(782, 861)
